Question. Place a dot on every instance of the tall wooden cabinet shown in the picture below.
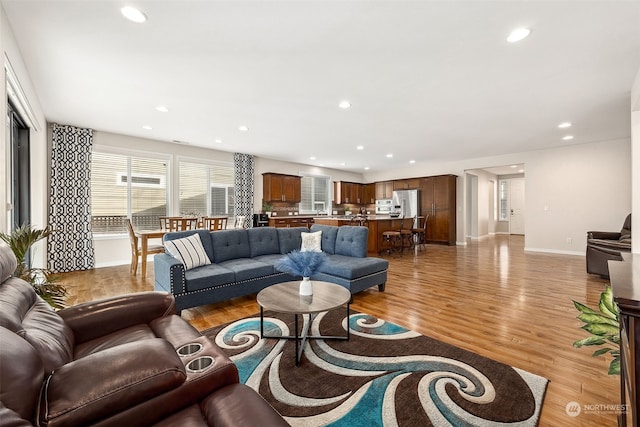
(281, 188)
(438, 200)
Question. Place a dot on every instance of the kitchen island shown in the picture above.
(377, 224)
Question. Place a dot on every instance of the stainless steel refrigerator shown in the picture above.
(406, 204)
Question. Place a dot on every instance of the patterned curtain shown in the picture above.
(70, 246)
(243, 170)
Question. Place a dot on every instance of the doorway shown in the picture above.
(516, 198)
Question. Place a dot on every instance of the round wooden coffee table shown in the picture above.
(285, 298)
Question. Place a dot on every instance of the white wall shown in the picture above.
(586, 186)
(38, 138)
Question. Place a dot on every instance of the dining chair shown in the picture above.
(165, 222)
(239, 221)
(183, 224)
(214, 223)
(136, 249)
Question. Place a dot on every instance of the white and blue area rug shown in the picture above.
(385, 375)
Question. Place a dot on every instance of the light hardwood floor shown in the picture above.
(489, 297)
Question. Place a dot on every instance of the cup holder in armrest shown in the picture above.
(200, 364)
(190, 349)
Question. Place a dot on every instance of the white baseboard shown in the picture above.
(461, 243)
(112, 264)
(554, 251)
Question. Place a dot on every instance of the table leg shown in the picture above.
(261, 322)
(295, 322)
(143, 254)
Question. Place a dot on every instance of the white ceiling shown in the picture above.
(428, 81)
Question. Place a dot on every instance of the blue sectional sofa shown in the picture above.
(242, 263)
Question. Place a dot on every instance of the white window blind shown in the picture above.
(127, 186)
(315, 194)
(206, 189)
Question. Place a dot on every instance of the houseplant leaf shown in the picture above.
(589, 341)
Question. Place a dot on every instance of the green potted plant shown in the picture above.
(20, 240)
(266, 207)
(604, 328)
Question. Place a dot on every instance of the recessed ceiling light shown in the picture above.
(162, 109)
(521, 170)
(564, 125)
(389, 155)
(243, 128)
(147, 127)
(312, 158)
(342, 164)
(567, 138)
(514, 166)
(412, 161)
(518, 34)
(360, 147)
(133, 14)
(367, 168)
(218, 141)
(344, 104)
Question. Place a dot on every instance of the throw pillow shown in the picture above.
(311, 242)
(188, 250)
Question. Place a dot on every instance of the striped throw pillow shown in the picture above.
(188, 250)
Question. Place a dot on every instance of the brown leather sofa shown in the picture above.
(123, 361)
(603, 246)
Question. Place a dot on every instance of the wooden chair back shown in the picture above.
(165, 222)
(183, 224)
(215, 223)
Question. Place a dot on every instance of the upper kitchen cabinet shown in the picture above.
(348, 192)
(406, 184)
(369, 194)
(384, 190)
(281, 188)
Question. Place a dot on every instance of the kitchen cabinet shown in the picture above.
(281, 188)
(438, 200)
(290, 221)
(369, 194)
(384, 190)
(406, 184)
(348, 192)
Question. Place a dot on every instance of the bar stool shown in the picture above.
(406, 236)
(392, 239)
(420, 234)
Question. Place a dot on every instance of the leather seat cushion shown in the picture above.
(610, 244)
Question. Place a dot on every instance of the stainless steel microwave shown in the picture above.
(384, 206)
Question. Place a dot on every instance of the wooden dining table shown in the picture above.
(144, 236)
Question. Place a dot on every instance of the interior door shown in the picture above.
(516, 219)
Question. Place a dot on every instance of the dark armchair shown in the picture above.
(603, 246)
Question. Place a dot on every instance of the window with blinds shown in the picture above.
(127, 186)
(315, 194)
(206, 189)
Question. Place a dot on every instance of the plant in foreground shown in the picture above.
(604, 327)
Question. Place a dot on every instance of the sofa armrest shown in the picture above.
(110, 381)
(607, 235)
(168, 274)
(98, 318)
